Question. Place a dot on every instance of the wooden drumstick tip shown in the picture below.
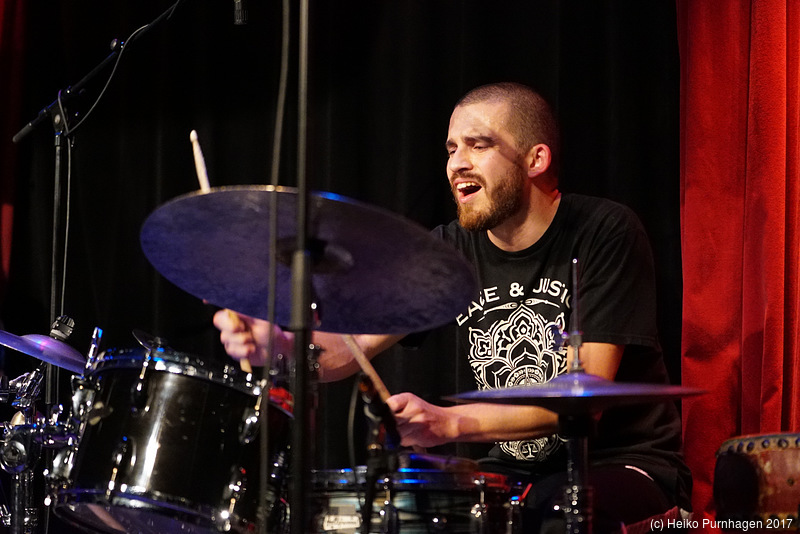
(245, 366)
(244, 363)
(199, 162)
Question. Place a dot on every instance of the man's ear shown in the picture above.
(538, 160)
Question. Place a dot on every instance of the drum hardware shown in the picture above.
(382, 445)
(479, 509)
(5, 516)
(19, 452)
(24, 389)
(249, 427)
(27, 434)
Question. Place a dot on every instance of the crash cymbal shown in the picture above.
(46, 349)
(372, 271)
(577, 393)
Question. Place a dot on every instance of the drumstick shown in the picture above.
(370, 371)
(366, 366)
(199, 163)
(202, 178)
(244, 363)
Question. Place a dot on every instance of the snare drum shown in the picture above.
(757, 477)
(167, 444)
(412, 501)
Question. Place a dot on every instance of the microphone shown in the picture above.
(239, 12)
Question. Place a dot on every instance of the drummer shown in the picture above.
(521, 233)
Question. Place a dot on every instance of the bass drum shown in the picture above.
(757, 478)
(168, 445)
(412, 501)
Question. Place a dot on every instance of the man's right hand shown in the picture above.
(246, 337)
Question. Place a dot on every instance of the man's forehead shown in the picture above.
(479, 119)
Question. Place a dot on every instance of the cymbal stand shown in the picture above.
(577, 506)
(20, 450)
(301, 319)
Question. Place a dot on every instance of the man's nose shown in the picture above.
(458, 161)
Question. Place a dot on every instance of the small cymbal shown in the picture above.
(371, 270)
(45, 349)
(578, 393)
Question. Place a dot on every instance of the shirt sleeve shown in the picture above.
(617, 283)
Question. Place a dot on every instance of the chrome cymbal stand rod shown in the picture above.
(577, 493)
(575, 335)
(577, 506)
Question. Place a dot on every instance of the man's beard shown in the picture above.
(505, 200)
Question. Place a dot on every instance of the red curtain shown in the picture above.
(739, 217)
(12, 13)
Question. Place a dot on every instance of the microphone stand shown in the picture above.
(54, 110)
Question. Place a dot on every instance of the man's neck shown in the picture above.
(526, 228)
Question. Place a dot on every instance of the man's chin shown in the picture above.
(472, 221)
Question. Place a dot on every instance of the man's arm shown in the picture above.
(423, 424)
(418, 422)
(246, 338)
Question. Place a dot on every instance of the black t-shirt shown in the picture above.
(507, 333)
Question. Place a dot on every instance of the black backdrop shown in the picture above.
(383, 79)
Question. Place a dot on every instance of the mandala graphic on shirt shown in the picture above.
(519, 350)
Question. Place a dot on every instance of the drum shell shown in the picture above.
(165, 447)
(757, 477)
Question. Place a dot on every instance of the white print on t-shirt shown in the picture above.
(520, 349)
(546, 286)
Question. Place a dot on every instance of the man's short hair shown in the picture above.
(531, 119)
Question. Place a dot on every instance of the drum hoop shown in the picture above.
(174, 363)
(426, 479)
(755, 443)
(155, 501)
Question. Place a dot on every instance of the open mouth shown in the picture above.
(467, 189)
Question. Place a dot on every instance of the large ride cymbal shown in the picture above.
(372, 271)
(45, 349)
(578, 393)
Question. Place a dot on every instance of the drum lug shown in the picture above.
(235, 490)
(477, 515)
(514, 516)
(83, 394)
(479, 510)
(249, 426)
(60, 475)
(390, 520)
